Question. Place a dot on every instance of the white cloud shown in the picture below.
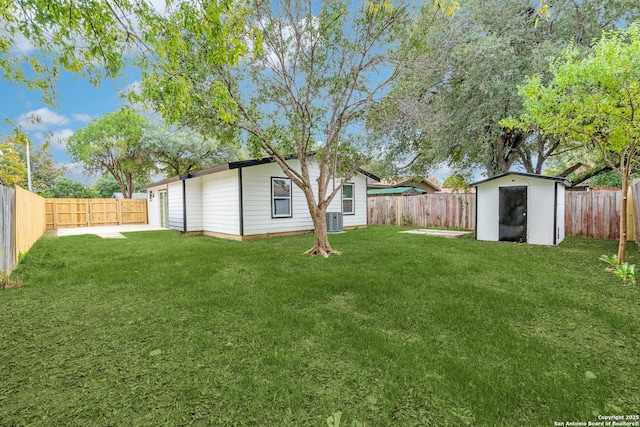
(85, 118)
(59, 137)
(41, 119)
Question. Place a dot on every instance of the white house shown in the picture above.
(520, 207)
(248, 199)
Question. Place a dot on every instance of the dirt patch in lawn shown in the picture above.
(452, 234)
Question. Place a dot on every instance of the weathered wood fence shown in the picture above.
(428, 210)
(66, 213)
(7, 229)
(593, 213)
(22, 222)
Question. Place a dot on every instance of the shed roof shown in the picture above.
(528, 175)
(232, 165)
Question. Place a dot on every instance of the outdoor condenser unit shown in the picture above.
(334, 222)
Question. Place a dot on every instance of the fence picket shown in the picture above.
(67, 213)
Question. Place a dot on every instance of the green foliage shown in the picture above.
(625, 271)
(609, 179)
(64, 187)
(457, 183)
(592, 100)
(182, 151)
(13, 171)
(112, 144)
(40, 38)
(450, 104)
(313, 71)
(105, 186)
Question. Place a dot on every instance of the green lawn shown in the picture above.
(400, 330)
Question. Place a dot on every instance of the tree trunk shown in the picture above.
(622, 246)
(321, 244)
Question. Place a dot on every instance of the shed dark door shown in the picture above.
(513, 214)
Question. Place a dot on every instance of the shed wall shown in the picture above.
(540, 208)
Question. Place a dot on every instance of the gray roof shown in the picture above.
(528, 175)
(228, 166)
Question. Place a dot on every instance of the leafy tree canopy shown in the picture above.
(313, 71)
(39, 38)
(112, 144)
(13, 171)
(593, 99)
(457, 183)
(176, 152)
(64, 187)
(450, 106)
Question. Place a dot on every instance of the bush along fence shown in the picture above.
(66, 213)
(22, 222)
(594, 213)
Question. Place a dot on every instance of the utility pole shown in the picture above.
(28, 164)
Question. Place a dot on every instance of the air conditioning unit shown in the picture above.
(334, 222)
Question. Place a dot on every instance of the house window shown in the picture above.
(281, 197)
(347, 199)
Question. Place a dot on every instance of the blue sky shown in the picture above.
(79, 102)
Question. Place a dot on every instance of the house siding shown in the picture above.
(194, 204)
(220, 202)
(256, 202)
(176, 211)
(153, 206)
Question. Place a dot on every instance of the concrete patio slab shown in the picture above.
(107, 232)
(452, 234)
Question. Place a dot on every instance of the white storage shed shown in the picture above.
(521, 207)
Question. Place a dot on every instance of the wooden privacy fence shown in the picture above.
(22, 222)
(594, 213)
(67, 213)
(7, 229)
(427, 210)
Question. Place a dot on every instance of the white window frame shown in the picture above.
(274, 198)
(352, 198)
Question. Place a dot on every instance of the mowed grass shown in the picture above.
(400, 330)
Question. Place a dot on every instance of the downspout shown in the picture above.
(475, 226)
(184, 204)
(366, 199)
(555, 214)
(240, 205)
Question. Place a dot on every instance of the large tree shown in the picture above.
(310, 73)
(64, 187)
(179, 151)
(595, 100)
(450, 108)
(12, 169)
(112, 145)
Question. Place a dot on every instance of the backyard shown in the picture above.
(401, 329)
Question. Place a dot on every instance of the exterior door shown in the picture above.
(513, 214)
(164, 208)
